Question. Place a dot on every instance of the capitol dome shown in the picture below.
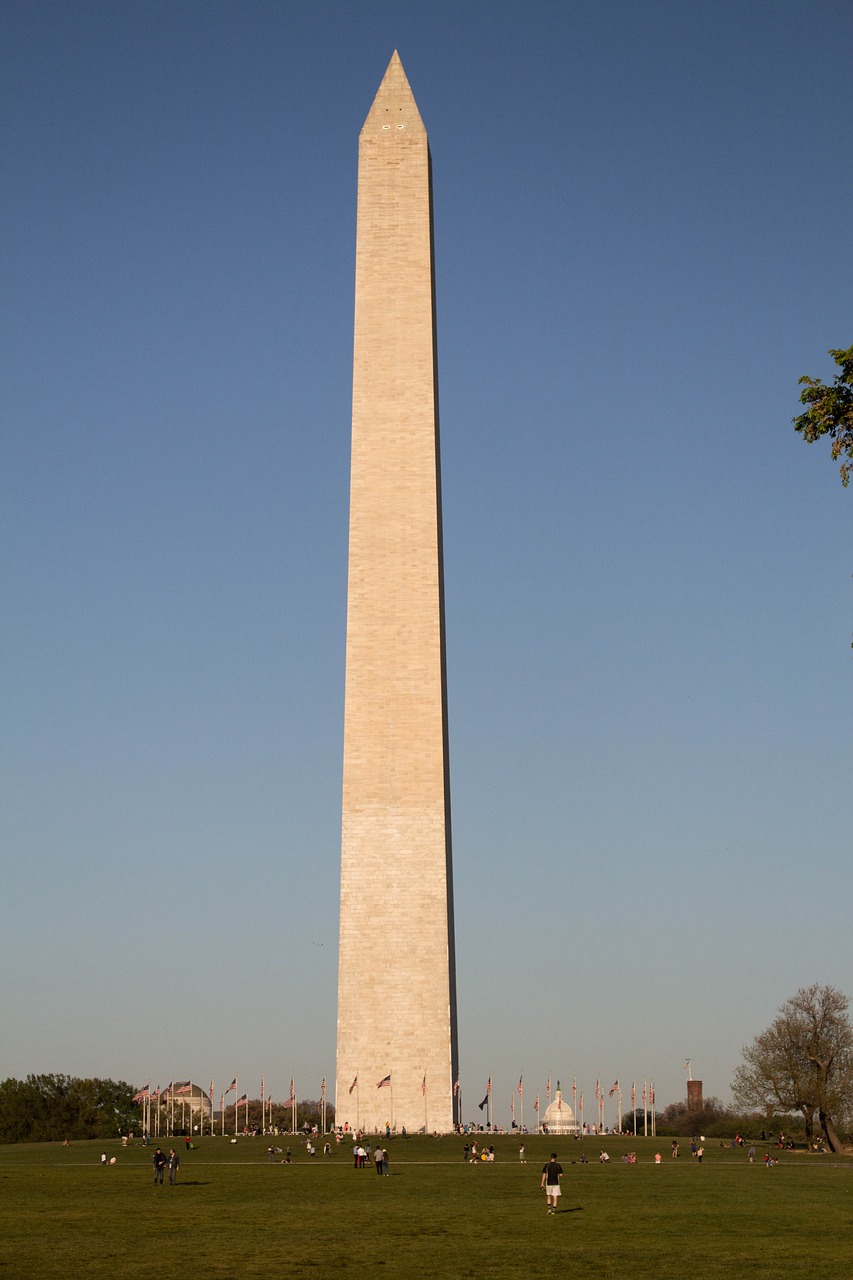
(559, 1117)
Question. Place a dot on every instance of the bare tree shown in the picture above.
(803, 1061)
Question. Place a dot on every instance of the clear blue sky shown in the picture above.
(642, 240)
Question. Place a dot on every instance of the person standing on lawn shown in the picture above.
(552, 1172)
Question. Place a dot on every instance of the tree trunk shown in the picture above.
(832, 1139)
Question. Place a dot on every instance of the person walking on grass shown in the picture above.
(552, 1172)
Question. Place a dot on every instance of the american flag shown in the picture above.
(615, 1087)
(323, 1088)
(385, 1082)
(423, 1086)
(183, 1086)
(211, 1090)
(536, 1103)
(520, 1087)
(489, 1085)
(633, 1093)
(232, 1085)
(292, 1088)
(456, 1090)
(354, 1083)
(240, 1101)
(548, 1089)
(575, 1088)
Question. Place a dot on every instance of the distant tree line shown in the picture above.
(51, 1108)
(308, 1113)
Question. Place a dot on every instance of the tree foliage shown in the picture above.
(830, 411)
(803, 1062)
(50, 1108)
(711, 1118)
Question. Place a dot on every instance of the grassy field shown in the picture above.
(233, 1215)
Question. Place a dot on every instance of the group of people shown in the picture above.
(161, 1162)
(473, 1155)
(361, 1158)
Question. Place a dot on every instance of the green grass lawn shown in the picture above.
(235, 1215)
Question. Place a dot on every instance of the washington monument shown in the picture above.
(397, 1051)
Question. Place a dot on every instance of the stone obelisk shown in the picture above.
(396, 1052)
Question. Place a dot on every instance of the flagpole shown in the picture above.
(645, 1112)
(619, 1108)
(236, 1109)
(425, 1107)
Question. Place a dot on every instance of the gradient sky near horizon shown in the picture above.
(642, 227)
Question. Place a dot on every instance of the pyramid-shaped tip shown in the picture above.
(394, 108)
